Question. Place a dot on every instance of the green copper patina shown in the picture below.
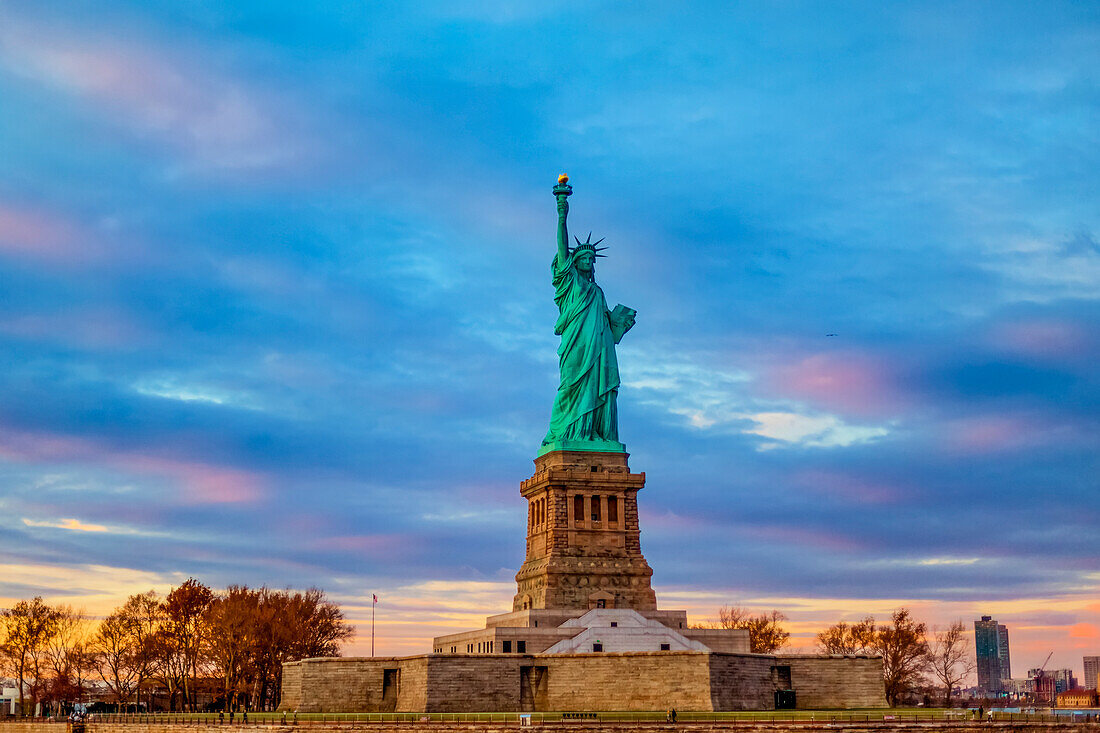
(585, 415)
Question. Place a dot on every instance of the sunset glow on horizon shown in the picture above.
(276, 309)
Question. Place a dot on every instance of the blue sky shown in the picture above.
(275, 301)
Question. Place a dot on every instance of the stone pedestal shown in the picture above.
(583, 548)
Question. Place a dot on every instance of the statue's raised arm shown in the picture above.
(585, 415)
(562, 192)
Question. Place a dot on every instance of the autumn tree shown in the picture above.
(232, 639)
(903, 647)
(27, 628)
(244, 636)
(291, 625)
(319, 625)
(766, 632)
(949, 657)
(845, 638)
(185, 611)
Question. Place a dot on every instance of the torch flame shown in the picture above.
(563, 179)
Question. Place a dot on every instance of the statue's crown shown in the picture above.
(589, 245)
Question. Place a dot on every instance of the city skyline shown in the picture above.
(276, 304)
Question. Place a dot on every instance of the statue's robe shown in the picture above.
(584, 408)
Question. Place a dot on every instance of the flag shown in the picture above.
(375, 597)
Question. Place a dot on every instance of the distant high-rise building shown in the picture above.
(1002, 652)
(1092, 672)
(1063, 679)
(991, 647)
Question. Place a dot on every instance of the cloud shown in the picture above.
(171, 388)
(96, 328)
(218, 122)
(825, 431)
(850, 382)
(97, 589)
(1047, 269)
(70, 524)
(197, 482)
(38, 234)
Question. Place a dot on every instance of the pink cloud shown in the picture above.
(37, 234)
(220, 122)
(1043, 339)
(88, 327)
(845, 381)
(988, 433)
(848, 488)
(199, 483)
(379, 545)
(803, 537)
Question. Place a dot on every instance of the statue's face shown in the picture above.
(584, 261)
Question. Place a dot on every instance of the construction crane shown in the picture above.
(1039, 678)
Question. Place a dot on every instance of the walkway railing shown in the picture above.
(906, 716)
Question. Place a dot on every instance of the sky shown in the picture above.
(275, 301)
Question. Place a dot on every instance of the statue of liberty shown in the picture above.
(585, 416)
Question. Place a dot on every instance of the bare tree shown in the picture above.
(144, 613)
(904, 651)
(68, 657)
(949, 658)
(766, 632)
(116, 655)
(27, 629)
(169, 665)
(845, 638)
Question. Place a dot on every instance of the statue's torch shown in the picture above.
(563, 189)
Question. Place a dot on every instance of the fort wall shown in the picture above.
(702, 681)
(836, 681)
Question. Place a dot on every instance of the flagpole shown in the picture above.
(372, 605)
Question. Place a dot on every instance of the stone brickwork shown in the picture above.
(355, 684)
(583, 537)
(633, 681)
(474, 683)
(605, 681)
(836, 681)
(873, 725)
(30, 727)
(741, 682)
(292, 686)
